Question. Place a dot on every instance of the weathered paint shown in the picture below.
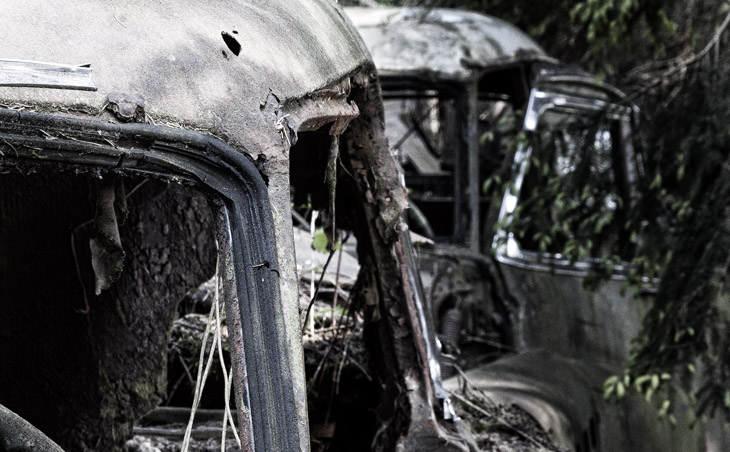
(440, 43)
(172, 53)
(173, 57)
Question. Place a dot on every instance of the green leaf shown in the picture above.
(487, 137)
(654, 382)
(649, 393)
(576, 10)
(319, 240)
(640, 381)
(664, 408)
(610, 381)
(487, 185)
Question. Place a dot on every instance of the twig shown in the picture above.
(174, 389)
(338, 374)
(489, 401)
(337, 289)
(468, 382)
(344, 168)
(227, 390)
(495, 344)
(501, 421)
(321, 364)
(86, 308)
(682, 65)
(202, 376)
(359, 366)
(332, 343)
(13, 148)
(335, 389)
(312, 229)
(135, 188)
(187, 371)
(316, 291)
(300, 219)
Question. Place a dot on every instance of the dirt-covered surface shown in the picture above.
(340, 389)
(506, 429)
(499, 428)
(142, 443)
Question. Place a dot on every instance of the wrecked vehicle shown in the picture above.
(145, 148)
(481, 118)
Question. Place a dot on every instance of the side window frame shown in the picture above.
(506, 247)
(263, 375)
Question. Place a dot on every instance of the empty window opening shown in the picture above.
(84, 367)
(341, 395)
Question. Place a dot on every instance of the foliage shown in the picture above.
(678, 221)
(674, 223)
(592, 33)
(686, 330)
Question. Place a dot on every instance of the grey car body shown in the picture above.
(568, 338)
(212, 96)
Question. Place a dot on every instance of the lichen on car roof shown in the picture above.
(210, 64)
(438, 42)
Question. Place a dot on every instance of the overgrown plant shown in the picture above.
(679, 222)
(685, 333)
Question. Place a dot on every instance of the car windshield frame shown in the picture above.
(506, 247)
(245, 234)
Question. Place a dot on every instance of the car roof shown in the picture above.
(447, 44)
(173, 54)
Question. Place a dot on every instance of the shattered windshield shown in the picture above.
(575, 190)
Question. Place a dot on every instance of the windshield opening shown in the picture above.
(101, 324)
(575, 192)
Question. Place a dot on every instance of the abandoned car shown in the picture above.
(482, 119)
(146, 147)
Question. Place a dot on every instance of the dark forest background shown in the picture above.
(670, 58)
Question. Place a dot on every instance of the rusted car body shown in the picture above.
(146, 146)
(453, 84)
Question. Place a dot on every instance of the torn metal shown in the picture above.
(107, 254)
(316, 110)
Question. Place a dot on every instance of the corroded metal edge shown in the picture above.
(37, 74)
